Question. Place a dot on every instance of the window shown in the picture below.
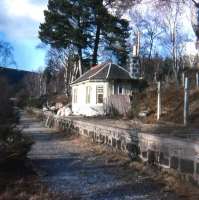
(88, 94)
(100, 94)
(134, 61)
(75, 95)
(119, 89)
(135, 70)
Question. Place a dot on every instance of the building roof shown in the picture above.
(105, 71)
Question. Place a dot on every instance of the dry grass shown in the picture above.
(24, 189)
(172, 101)
(170, 179)
(18, 181)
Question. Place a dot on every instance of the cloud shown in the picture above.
(21, 18)
(19, 25)
(191, 48)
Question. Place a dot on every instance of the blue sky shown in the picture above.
(19, 24)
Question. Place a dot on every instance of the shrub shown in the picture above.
(135, 107)
(13, 145)
(35, 102)
(27, 101)
(111, 111)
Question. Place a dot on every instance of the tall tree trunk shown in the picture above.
(80, 66)
(151, 47)
(80, 61)
(174, 51)
(150, 51)
(96, 45)
(66, 79)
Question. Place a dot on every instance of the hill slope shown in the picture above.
(172, 101)
(14, 76)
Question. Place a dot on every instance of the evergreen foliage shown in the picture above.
(86, 25)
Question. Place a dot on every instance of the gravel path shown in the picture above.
(73, 166)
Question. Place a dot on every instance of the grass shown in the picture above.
(169, 179)
(18, 181)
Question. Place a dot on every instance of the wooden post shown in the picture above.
(80, 67)
(183, 79)
(186, 101)
(197, 79)
(155, 77)
(159, 102)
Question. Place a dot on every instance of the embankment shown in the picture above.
(175, 153)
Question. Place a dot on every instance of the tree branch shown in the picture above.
(195, 3)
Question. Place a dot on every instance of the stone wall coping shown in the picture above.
(136, 132)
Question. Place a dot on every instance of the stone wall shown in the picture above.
(179, 154)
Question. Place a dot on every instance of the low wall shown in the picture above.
(168, 152)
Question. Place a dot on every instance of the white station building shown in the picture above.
(91, 90)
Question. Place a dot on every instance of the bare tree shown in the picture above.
(148, 26)
(125, 4)
(42, 82)
(174, 38)
(31, 83)
(64, 65)
(6, 54)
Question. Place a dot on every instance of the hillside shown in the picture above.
(14, 76)
(172, 101)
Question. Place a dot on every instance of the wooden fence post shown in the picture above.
(159, 101)
(183, 79)
(197, 81)
(186, 101)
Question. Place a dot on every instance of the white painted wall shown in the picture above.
(92, 109)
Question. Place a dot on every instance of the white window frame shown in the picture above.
(75, 92)
(88, 94)
(99, 91)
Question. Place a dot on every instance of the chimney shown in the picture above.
(134, 59)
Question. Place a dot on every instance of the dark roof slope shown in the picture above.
(105, 71)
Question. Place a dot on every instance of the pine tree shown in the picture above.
(66, 24)
(85, 24)
(110, 31)
(116, 35)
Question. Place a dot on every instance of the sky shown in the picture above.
(19, 25)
